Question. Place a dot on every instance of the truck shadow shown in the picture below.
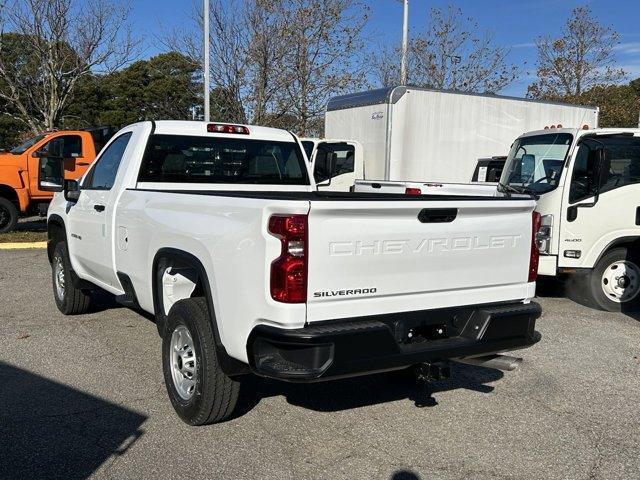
(50, 430)
(346, 394)
(571, 287)
(32, 224)
(574, 288)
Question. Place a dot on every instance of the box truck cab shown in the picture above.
(588, 183)
(336, 164)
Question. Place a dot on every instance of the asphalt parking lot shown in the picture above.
(84, 397)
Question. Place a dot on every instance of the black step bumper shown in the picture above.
(357, 346)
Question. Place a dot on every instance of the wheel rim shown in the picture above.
(621, 281)
(59, 277)
(183, 362)
(5, 217)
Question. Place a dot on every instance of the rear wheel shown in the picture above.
(199, 390)
(615, 281)
(69, 299)
(8, 216)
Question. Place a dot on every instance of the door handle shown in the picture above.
(99, 208)
(437, 215)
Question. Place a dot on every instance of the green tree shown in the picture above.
(619, 104)
(166, 86)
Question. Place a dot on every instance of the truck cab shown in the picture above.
(336, 164)
(588, 184)
(19, 170)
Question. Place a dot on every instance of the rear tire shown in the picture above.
(199, 390)
(69, 299)
(614, 283)
(8, 216)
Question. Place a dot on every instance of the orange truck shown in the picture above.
(19, 192)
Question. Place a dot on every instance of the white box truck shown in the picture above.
(419, 134)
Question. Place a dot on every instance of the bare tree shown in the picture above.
(448, 55)
(64, 40)
(582, 58)
(279, 61)
(384, 65)
(324, 43)
(246, 55)
(266, 53)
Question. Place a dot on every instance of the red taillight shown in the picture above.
(289, 270)
(535, 253)
(413, 191)
(222, 128)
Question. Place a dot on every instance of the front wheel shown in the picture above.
(199, 390)
(8, 216)
(615, 281)
(69, 299)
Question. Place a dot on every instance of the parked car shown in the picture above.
(19, 191)
(219, 231)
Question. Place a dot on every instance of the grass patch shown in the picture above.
(19, 237)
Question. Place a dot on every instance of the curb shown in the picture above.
(22, 245)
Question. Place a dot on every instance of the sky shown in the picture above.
(515, 24)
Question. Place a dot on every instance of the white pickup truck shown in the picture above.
(219, 231)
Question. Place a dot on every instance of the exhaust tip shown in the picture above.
(499, 362)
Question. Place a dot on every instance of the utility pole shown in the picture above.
(405, 43)
(207, 73)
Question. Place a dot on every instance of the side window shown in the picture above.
(621, 167)
(343, 156)
(583, 177)
(103, 174)
(66, 146)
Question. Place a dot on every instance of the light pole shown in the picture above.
(207, 73)
(405, 43)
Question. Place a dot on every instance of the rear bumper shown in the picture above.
(350, 347)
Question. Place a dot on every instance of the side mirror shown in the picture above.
(51, 174)
(71, 190)
(331, 169)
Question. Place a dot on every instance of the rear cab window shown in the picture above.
(193, 159)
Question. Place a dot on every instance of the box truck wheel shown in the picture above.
(615, 280)
(69, 299)
(199, 390)
(8, 215)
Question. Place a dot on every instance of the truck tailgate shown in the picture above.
(373, 257)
